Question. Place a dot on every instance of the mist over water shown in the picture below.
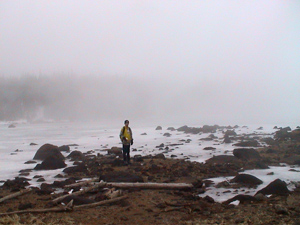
(170, 62)
(112, 99)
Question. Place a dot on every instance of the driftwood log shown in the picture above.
(109, 201)
(180, 186)
(98, 185)
(61, 208)
(69, 207)
(22, 192)
(82, 183)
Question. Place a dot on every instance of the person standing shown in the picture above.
(127, 140)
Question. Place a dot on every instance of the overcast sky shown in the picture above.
(206, 61)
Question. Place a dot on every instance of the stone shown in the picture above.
(48, 150)
(81, 168)
(159, 156)
(246, 179)
(223, 159)
(51, 163)
(158, 128)
(246, 154)
(277, 187)
(116, 151)
(76, 156)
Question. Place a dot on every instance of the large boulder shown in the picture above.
(158, 128)
(223, 159)
(52, 162)
(277, 187)
(81, 168)
(246, 179)
(115, 151)
(48, 150)
(76, 156)
(121, 176)
(246, 154)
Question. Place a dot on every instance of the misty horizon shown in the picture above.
(206, 62)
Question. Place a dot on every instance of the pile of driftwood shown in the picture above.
(112, 193)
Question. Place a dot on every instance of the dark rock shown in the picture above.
(59, 176)
(48, 150)
(81, 168)
(47, 188)
(246, 179)
(12, 126)
(223, 159)
(121, 176)
(161, 145)
(159, 156)
(227, 139)
(209, 148)
(144, 134)
(230, 133)
(242, 198)
(158, 128)
(268, 141)
(76, 156)
(16, 184)
(283, 134)
(33, 144)
(191, 130)
(209, 199)
(30, 162)
(61, 184)
(246, 154)
(40, 180)
(115, 151)
(64, 148)
(278, 187)
(77, 200)
(167, 134)
(52, 162)
(209, 129)
(171, 128)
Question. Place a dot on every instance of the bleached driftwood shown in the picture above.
(113, 193)
(69, 207)
(22, 192)
(61, 208)
(100, 184)
(101, 202)
(180, 186)
(82, 183)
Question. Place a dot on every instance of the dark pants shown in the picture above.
(126, 151)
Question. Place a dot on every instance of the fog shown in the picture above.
(184, 62)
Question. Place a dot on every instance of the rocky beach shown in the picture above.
(99, 173)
